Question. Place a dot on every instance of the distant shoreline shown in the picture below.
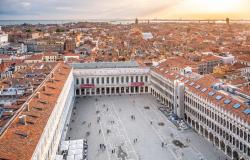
(118, 21)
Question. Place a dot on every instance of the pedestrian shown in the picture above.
(151, 122)
(99, 131)
(162, 144)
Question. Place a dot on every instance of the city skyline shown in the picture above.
(113, 9)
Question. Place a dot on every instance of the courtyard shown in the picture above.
(132, 127)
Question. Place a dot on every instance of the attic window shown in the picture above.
(198, 86)
(48, 94)
(33, 116)
(43, 102)
(22, 135)
(51, 87)
(29, 122)
(38, 108)
(218, 97)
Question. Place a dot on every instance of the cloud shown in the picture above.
(92, 9)
(64, 8)
(25, 4)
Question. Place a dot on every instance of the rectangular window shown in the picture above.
(141, 78)
(107, 80)
(102, 80)
(122, 80)
(136, 79)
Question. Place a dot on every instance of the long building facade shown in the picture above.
(213, 110)
(111, 80)
(36, 129)
(217, 116)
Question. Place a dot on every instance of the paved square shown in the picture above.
(132, 132)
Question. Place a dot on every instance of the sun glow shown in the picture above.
(216, 6)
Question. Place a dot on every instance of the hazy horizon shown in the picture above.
(114, 9)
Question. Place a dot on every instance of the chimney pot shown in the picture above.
(38, 95)
(22, 119)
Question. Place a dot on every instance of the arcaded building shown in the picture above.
(105, 78)
(217, 111)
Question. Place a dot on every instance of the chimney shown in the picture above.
(22, 119)
(38, 95)
(27, 107)
(44, 87)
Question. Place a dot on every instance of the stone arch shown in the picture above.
(197, 126)
(211, 137)
(206, 133)
(193, 123)
(201, 129)
(229, 151)
(216, 141)
(235, 155)
(77, 92)
(189, 120)
(222, 146)
(185, 116)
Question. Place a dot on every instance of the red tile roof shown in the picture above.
(13, 142)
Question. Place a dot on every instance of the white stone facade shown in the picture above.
(54, 130)
(92, 82)
(223, 129)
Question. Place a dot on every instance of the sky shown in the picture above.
(123, 9)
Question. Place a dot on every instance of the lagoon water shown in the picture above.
(115, 21)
